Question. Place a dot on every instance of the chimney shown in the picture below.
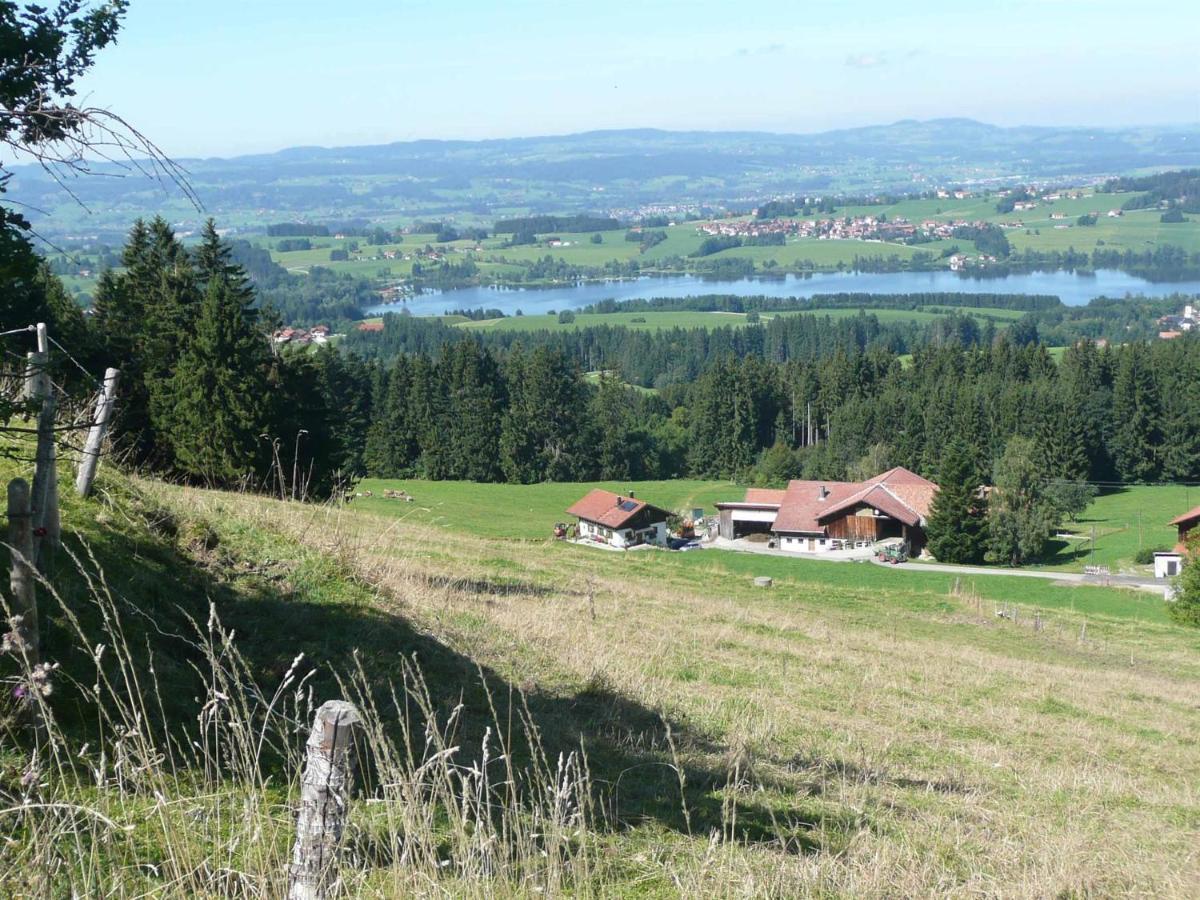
(632, 495)
(824, 492)
(620, 500)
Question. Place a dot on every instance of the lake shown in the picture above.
(1073, 289)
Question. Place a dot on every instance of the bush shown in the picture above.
(1145, 556)
(1186, 607)
(566, 317)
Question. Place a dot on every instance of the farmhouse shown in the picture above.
(1185, 525)
(822, 516)
(619, 521)
(1168, 563)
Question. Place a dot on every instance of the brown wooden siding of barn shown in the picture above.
(853, 528)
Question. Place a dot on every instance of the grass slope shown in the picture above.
(1125, 520)
(847, 732)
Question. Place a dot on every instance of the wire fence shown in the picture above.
(75, 410)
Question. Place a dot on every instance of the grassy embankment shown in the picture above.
(847, 732)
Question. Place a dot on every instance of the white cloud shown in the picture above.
(866, 60)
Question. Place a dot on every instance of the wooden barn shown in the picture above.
(1185, 524)
(821, 516)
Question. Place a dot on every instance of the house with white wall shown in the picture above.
(619, 520)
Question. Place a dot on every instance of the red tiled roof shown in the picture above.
(609, 509)
(370, 326)
(899, 493)
(1187, 518)
(764, 495)
(803, 504)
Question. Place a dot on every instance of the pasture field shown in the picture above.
(1125, 520)
(524, 511)
(943, 731)
(851, 731)
(528, 513)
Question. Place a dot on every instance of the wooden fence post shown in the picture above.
(44, 502)
(26, 634)
(324, 801)
(95, 438)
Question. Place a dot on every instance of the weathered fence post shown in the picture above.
(324, 801)
(26, 636)
(95, 438)
(44, 502)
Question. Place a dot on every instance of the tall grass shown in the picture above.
(205, 807)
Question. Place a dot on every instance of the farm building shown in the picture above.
(1185, 525)
(821, 516)
(1168, 563)
(619, 521)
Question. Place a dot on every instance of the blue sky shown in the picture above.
(223, 77)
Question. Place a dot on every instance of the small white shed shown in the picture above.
(1167, 564)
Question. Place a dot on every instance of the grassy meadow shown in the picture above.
(528, 513)
(1124, 521)
(848, 732)
(548, 719)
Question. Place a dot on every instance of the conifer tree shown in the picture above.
(1135, 416)
(219, 392)
(392, 447)
(475, 412)
(344, 386)
(427, 412)
(542, 434)
(956, 523)
(1020, 515)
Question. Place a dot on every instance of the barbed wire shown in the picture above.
(78, 364)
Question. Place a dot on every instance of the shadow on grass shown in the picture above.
(163, 594)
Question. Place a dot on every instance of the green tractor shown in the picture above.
(893, 553)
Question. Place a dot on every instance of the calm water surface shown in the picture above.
(1073, 289)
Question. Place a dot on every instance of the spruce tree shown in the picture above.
(1135, 416)
(1020, 515)
(542, 437)
(219, 392)
(475, 412)
(956, 523)
(392, 447)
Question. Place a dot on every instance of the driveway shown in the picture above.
(1125, 581)
(1131, 582)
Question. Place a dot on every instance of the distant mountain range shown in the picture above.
(601, 171)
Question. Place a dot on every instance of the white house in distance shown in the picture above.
(619, 520)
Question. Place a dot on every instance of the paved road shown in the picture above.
(1125, 581)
